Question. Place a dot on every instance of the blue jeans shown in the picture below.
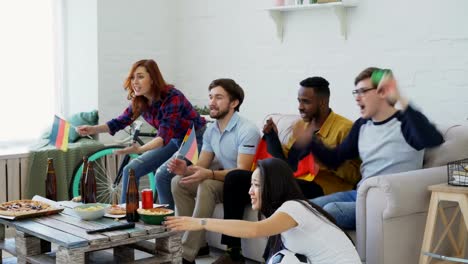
(146, 163)
(342, 206)
(163, 177)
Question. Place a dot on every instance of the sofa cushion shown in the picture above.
(284, 123)
(454, 148)
(79, 119)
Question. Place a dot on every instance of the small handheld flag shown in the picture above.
(189, 146)
(380, 76)
(59, 133)
(305, 168)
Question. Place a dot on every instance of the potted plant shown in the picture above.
(204, 111)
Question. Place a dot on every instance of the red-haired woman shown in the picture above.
(162, 106)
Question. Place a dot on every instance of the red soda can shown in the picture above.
(147, 198)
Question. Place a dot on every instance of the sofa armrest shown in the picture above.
(391, 196)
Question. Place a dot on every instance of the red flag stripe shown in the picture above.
(192, 151)
(59, 140)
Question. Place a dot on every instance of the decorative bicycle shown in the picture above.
(108, 169)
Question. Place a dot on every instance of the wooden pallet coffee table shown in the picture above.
(32, 242)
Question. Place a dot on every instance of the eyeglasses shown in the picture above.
(361, 91)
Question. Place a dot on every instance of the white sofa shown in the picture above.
(391, 209)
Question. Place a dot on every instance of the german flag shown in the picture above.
(189, 147)
(59, 133)
(304, 166)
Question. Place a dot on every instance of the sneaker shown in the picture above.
(204, 251)
(226, 259)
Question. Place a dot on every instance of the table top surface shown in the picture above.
(445, 187)
(68, 230)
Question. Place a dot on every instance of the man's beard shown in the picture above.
(220, 115)
(314, 116)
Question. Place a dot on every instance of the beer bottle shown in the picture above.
(83, 180)
(132, 198)
(90, 184)
(51, 181)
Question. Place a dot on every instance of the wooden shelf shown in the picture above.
(340, 9)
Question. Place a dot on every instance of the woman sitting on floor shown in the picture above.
(291, 221)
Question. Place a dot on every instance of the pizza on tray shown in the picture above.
(23, 207)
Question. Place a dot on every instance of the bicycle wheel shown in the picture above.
(106, 166)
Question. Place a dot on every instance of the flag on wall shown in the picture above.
(189, 146)
(59, 133)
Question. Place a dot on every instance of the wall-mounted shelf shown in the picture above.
(340, 9)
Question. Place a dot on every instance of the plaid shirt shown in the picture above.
(172, 115)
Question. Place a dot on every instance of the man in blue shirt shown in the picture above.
(233, 140)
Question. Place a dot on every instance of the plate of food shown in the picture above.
(119, 210)
(115, 211)
(18, 209)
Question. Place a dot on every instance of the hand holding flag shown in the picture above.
(60, 132)
(386, 83)
(188, 150)
(177, 166)
(86, 130)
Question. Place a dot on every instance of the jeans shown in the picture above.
(163, 177)
(342, 206)
(146, 163)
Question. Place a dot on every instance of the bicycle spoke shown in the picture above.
(112, 167)
(104, 191)
(103, 181)
(100, 171)
(101, 196)
(108, 184)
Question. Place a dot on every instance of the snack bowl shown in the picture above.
(91, 211)
(154, 216)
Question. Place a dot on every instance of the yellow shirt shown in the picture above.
(333, 131)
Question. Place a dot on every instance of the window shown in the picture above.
(28, 53)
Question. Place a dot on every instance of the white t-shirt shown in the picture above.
(321, 242)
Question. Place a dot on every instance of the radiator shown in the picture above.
(13, 172)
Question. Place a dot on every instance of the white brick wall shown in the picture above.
(425, 42)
